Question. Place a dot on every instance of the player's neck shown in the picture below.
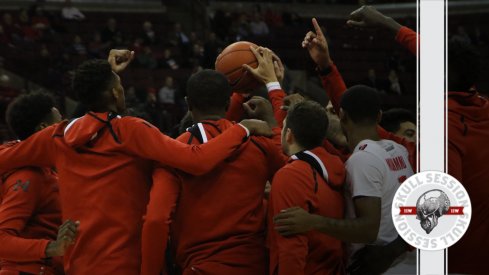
(294, 149)
(198, 116)
(361, 133)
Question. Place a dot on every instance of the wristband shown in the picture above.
(273, 86)
(246, 129)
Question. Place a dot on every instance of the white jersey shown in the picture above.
(376, 169)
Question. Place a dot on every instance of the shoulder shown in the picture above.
(291, 173)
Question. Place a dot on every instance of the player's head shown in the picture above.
(360, 107)
(98, 87)
(401, 122)
(29, 113)
(463, 65)
(304, 127)
(208, 93)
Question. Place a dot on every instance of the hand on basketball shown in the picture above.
(279, 67)
(66, 237)
(260, 108)
(315, 42)
(293, 221)
(369, 17)
(120, 59)
(265, 72)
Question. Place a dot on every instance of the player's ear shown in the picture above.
(289, 136)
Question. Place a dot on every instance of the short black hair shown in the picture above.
(308, 122)
(92, 78)
(361, 103)
(27, 111)
(464, 66)
(392, 119)
(208, 90)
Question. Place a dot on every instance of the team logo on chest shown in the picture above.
(431, 210)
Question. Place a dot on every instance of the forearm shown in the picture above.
(17, 249)
(235, 111)
(349, 230)
(277, 99)
(407, 38)
(334, 85)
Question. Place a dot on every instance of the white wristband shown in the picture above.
(246, 129)
(273, 86)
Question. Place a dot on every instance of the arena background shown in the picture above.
(39, 48)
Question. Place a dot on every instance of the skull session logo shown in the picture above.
(431, 210)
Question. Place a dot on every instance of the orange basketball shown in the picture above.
(230, 62)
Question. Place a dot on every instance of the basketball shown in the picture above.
(230, 63)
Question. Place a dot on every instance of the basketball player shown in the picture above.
(104, 163)
(468, 133)
(401, 122)
(312, 179)
(374, 172)
(30, 212)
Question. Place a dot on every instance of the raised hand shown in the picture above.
(279, 67)
(260, 108)
(120, 59)
(369, 17)
(315, 42)
(66, 237)
(265, 72)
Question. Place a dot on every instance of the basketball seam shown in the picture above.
(240, 68)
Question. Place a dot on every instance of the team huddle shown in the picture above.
(110, 194)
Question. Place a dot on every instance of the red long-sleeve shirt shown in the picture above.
(408, 39)
(296, 185)
(30, 215)
(218, 225)
(468, 133)
(104, 165)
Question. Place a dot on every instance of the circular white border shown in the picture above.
(441, 244)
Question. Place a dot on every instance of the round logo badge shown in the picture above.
(431, 210)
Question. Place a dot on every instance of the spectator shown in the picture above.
(97, 48)
(138, 45)
(373, 82)
(78, 47)
(197, 55)
(28, 32)
(4, 39)
(111, 33)
(179, 38)
(211, 50)
(168, 62)
(272, 18)
(149, 35)
(258, 27)
(10, 29)
(40, 21)
(166, 95)
(69, 12)
(394, 84)
(242, 28)
(146, 58)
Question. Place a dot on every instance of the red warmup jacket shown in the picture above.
(299, 184)
(468, 153)
(218, 226)
(30, 215)
(104, 165)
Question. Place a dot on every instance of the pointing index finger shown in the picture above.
(317, 28)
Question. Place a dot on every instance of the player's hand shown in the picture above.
(291, 100)
(120, 59)
(369, 17)
(315, 42)
(66, 237)
(279, 67)
(257, 127)
(294, 221)
(260, 108)
(265, 72)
